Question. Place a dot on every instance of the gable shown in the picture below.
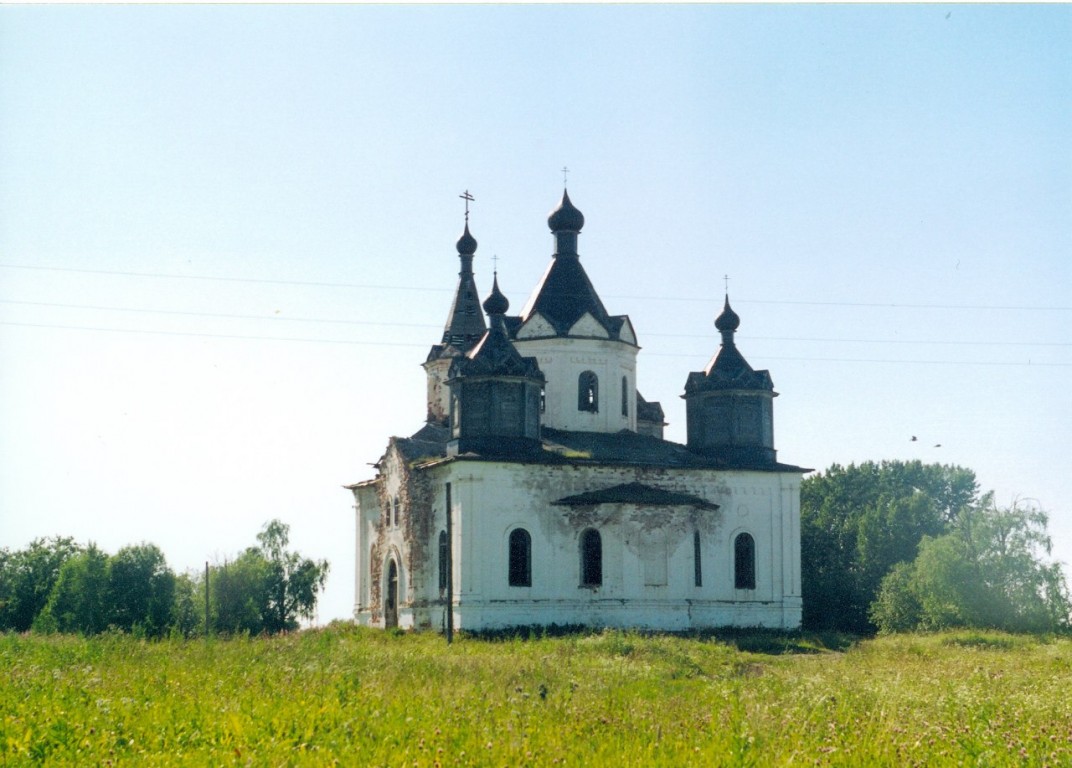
(589, 326)
(627, 334)
(535, 327)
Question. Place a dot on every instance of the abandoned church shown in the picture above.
(540, 489)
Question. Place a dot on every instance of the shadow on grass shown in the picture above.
(770, 642)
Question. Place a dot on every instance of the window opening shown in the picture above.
(591, 558)
(520, 574)
(697, 567)
(744, 562)
(588, 392)
(442, 560)
(625, 396)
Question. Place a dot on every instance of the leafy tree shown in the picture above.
(188, 606)
(78, 602)
(141, 590)
(292, 581)
(27, 578)
(858, 521)
(988, 571)
(239, 592)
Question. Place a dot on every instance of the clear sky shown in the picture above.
(227, 238)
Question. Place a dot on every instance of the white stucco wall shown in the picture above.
(563, 359)
(491, 499)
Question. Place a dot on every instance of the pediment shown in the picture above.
(627, 334)
(589, 326)
(536, 327)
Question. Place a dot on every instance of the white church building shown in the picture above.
(540, 490)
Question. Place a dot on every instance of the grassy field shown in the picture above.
(358, 697)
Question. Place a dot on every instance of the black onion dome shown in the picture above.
(466, 243)
(728, 320)
(496, 303)
(565, 217)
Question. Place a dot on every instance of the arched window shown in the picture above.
(744, 562)
(625, 396)
(591, 558)
(520, 558)
(442, 560)
(588, 392)
(696, 564)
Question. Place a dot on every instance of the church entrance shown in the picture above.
(390, 600)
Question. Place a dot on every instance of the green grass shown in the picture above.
(363, 697)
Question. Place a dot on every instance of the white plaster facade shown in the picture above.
(649, 553)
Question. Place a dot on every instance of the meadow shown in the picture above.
(350, 696)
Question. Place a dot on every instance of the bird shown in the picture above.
(914, 438)
(937, 445)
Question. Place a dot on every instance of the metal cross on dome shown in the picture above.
(727, 279)
(468, 199)
(565, 173)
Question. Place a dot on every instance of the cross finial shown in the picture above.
(468, 199)
(495, 263)
(565, 173)
(727, 279)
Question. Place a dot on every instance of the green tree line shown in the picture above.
(58, 585)
(896, 546)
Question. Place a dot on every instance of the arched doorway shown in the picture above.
(390, 598)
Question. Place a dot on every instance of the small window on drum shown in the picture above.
(588, 392)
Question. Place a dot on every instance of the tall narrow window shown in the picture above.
(543, 399)
(591, 558)
(520, 558)
(625, 396)
(588, 392)
(744, 562)
(442, 560)
(696, 564)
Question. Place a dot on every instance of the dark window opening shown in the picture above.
(625, 396)
(520, 558)
(591, 558)
(744, 562)
(697, 566)
(543, 400)
(588, 392)
(442, 560)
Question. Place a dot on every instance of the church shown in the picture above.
(540, 490)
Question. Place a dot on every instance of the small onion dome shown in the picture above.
(728, 320)
(565, 217)
(496, 303)
(466, 243)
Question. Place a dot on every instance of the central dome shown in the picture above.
(566, 217)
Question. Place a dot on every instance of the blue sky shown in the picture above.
(227, 238)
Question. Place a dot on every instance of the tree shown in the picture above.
(141, 590)
(292, 581)
(239, 594)
(27, 578)
(858, 521)
(78, 599)
(988, 571)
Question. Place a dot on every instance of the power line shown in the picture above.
(284, 318)
(397, 344)
(704, 300)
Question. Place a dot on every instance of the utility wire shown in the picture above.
(369, 286)
(284, 318)
(398, 344)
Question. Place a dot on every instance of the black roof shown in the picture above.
(636, 493)
(560, 446)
